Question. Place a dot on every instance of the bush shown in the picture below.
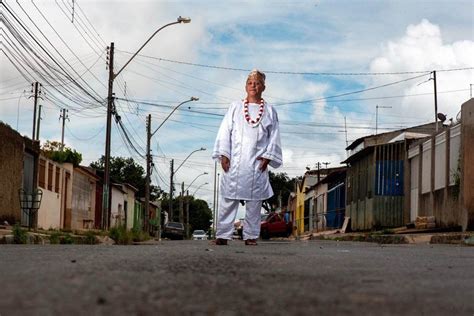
(120, 235)
(55, 238)
(20, 235)
(90, 238)
(67, 240)
(139, 235)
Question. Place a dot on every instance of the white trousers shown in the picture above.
(227, 214)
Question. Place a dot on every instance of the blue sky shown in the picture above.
(275, 36)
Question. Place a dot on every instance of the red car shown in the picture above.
(275, 225)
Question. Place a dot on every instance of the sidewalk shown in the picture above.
(411, 237)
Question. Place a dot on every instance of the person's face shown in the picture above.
(254, 88)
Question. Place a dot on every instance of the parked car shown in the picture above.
(173, 230)
(275, 225)
(199, 235)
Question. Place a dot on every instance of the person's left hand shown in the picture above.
(263, 163)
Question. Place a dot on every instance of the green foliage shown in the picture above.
(52, 150)
(139, 235)
(282, 185)
(90, 238)
(199, 215)
(20, 235)
(55, 238)
(120, 235)
(67, 239)
(126, 170)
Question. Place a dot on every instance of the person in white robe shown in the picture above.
(247, 142)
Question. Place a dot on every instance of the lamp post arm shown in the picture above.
(149, 39)
(200, 149)
(192, 99)
(199, 188)
(195, 180)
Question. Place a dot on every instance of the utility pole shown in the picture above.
(187, 213)
(435, 101)
(34, 110)
(214, 202)
(181, 204)
(170, 211)
(39, 122)
(377, 107)
(318, 166)
(106, 189)
(64, 117)
(148, 171)
(345, 130)
(217, 201)
(326, 164)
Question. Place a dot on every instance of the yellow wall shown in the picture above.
(299, 216)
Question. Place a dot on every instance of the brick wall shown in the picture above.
(11, 170)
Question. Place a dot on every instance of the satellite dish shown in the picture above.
(441, 117)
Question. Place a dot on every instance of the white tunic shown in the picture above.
(243, 143)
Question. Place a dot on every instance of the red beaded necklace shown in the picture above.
(247, 115)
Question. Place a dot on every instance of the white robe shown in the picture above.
(243, 144)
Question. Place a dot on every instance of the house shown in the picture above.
(118, 198)
(54, 179)
(80, 213)
(304, 202)
(441, 174)
(376, 176)
(321, 203)
(18, 169)
(334, 198)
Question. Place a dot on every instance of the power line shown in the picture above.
(298, 73)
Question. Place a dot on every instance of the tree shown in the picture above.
(126, 170)
(282, 185)
(199, 212)
(54, 150)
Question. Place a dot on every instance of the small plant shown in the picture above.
(120, 235)
(55, 238)
(90, 238)
(67, 239)
(139, 235)
(20, 235)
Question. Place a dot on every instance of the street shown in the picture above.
(273, 278)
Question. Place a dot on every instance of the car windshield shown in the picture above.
(199, 232)
(175, 225)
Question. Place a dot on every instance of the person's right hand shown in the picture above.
(225, 163)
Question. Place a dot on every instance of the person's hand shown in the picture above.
(263, 163)
(225, 163)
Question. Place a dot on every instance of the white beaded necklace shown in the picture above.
(247, 115)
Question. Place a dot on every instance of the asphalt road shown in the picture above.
(274, 278)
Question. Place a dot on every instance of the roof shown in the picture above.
(424, 129)
(87, 171)
(334, 175)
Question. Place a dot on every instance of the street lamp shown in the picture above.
(149, 162)
(195, 180)
(199, 188)
(200, 149)
(110, 110)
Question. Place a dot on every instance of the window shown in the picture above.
(50, 176)
(56, 181)
(42, 174)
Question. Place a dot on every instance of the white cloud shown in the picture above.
(422, 48)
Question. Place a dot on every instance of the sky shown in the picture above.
(329, 65)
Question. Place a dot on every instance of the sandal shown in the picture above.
(251, 242)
